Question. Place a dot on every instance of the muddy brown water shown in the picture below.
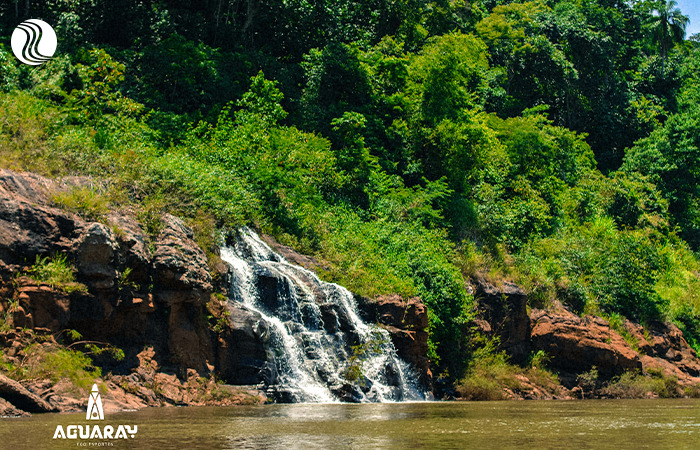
(617, 424)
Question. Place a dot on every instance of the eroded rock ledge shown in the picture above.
(578, 345)
(139, 292)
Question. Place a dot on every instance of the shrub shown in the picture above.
(86, 202)
(489, 373)
(55, 364)
(55, 271)
(632, 384)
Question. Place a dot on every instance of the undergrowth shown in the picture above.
(55, 271)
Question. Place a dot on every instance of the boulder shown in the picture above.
(502, 313)
(241, 349)
(577, 344)
(22, 398)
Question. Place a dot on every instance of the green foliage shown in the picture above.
(93, 91)
(588, 381)
(263, 101)
(56, 364)
(669, 156)
(615, 271)
(55, 271)
(668, 26)
(489, 374)
(617, 323)
(9, 72)
(85, 201)
(360, 353)
(635, 385)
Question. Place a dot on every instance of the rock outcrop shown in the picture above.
(22, 398)
(662, 347)
(241, 356)
(502, 313)
(577, 344)
(133, 296)
(131, 290)
(406, 320)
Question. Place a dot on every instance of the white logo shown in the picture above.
(94, 409)
(34, 42)
(106, 433)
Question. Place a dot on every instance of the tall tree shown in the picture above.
(668, 26)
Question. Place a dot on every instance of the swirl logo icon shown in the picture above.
(34, 42)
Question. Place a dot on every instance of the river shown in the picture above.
(614, 424)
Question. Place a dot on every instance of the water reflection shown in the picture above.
(587, 424)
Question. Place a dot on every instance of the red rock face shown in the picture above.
(577, 344)
(163, 304)
(663, 347)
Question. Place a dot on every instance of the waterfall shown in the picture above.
(319, 346)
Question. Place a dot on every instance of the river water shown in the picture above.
(657, 424)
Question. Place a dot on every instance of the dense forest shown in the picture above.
(410, 145)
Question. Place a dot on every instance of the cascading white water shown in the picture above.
(340, 358)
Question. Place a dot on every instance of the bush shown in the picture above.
(55, 364)
(489, 373)
(635, 385)
(55, 271)
(83, 201)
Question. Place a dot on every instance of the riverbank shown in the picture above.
(140, 305)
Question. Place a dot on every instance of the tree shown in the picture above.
(668, 26)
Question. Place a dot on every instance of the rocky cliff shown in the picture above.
(152, 296)
(578, 346)
(139, 291)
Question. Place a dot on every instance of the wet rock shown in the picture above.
(294, 257)
(406, 320)
(283, 394)
(347, 393)
(242, 351)
(275, 293)
(22, 398)
(329, 316)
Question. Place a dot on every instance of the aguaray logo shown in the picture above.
(34, 42)
(88, 434)
(94, 408)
